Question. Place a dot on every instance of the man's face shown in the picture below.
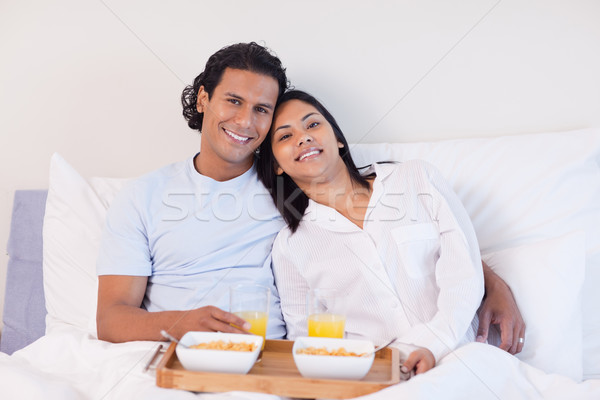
(236, 119)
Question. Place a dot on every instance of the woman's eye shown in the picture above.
(284, 136)
(312, 125)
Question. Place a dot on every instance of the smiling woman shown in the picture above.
(418, 279)
(312, 119)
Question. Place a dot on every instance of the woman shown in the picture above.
(395, 239)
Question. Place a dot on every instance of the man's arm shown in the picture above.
(120, 318)
(499, 307)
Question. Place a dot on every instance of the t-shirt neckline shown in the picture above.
(205, 180)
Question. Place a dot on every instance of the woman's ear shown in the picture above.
(277, 168)
(340, 145)
(202, 100)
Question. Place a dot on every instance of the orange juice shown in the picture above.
(326, 325)
(258, 323)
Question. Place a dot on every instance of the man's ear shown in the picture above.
(202, 100)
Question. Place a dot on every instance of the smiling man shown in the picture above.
(178, 238)
(237, 117)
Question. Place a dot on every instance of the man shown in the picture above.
(177, 238)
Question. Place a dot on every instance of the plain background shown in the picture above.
(100, 81)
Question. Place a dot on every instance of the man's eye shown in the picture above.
(312, 125)
(234, 101)
(261, 110)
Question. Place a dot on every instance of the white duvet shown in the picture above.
(68, 363)
(553, 273)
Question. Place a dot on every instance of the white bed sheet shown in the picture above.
(68, 363)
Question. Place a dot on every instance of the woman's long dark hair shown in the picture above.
(287, 196)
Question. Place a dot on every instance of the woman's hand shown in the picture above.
(499, 307)
(421, 360)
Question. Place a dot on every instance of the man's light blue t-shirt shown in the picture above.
(194, 237)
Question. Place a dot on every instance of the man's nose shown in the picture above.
(243, 117)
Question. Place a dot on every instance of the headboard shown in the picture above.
(24, 306)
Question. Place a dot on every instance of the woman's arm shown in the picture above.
(292, 288)
(499, 307)
(458, 274)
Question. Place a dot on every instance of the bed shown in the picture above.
(535, 203)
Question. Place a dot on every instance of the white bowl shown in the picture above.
(333, 367)
(228, 361)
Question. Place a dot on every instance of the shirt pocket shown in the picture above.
(418, 247)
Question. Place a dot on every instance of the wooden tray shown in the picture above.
(277, 374)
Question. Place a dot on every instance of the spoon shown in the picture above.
(383, 346)
(172, 339)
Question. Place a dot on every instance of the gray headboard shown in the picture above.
(24, 306)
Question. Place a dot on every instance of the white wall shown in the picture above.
(99, 81)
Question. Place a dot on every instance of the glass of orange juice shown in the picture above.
(251, 303)
(323, 319)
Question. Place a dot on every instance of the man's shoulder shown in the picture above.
(164, 173)
(149, 185)
(158, 179)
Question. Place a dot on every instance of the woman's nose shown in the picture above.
(304, 138)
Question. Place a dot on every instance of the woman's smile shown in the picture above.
(309, 154)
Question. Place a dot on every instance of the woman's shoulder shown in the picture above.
(307, 234)
(407, 167)
(281, 244)
(286, 248)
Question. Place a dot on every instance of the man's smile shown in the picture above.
(237, 137)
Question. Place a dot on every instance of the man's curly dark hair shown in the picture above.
(244, 56)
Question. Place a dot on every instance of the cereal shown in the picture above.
(322, 351)
(222, 345)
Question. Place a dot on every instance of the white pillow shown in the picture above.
(517, 190)
(546, 279)
(73, 222)
(522, 189)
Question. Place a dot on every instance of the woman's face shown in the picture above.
(304, 144)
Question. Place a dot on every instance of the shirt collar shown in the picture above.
(332, 220)
(327, 218)
(233, 183)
